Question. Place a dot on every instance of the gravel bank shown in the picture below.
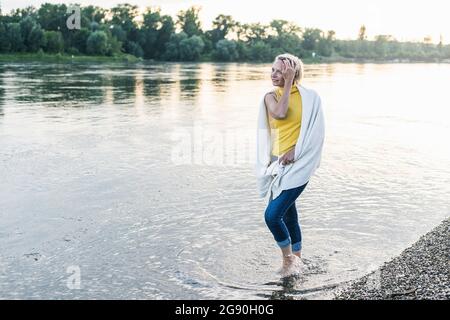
(420, 272)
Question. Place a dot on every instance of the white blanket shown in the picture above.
(276, 177)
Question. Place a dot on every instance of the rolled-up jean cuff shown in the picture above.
(285, 243)
(296, 247)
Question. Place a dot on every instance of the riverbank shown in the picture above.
(421, 272)
(64, 58)
(338, 59)
(128, 58)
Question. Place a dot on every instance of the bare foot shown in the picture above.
(291, 266)
(298, 254)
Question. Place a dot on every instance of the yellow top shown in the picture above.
(285, 132)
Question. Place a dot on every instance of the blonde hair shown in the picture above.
(298, 65)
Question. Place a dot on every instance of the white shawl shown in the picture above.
(276, 177)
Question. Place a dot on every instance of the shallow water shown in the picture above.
(92, 187)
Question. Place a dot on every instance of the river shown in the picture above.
(136, 181)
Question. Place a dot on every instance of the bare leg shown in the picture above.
(286, 251)
(290, 262)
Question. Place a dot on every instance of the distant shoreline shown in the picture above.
(127, 58)
(63, 58)
(419, 273)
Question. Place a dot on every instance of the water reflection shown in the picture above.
(2, 90)
(314, 72)
(220, 75)
(190, 82)
(124, 87)
(157, 88)
(58, 86)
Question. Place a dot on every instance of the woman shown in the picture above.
(289, 144)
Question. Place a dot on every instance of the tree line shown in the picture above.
(153, 35)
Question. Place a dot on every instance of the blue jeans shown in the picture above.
(282, 219)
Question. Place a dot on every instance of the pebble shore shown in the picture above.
(421, 272)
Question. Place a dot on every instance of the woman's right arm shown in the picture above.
(278, 109)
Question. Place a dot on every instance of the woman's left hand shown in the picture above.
(288, 157)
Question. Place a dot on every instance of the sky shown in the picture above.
(405, 20)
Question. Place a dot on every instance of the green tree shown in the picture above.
(189, 21)
(242, 30)
(260, 52)
(52, 17)
(441, 42)
(118, 32)
(124, 15)
(324, 47)
(149, 32)
(256, 32)
(282, 27)
(381, 45)
(184, 48)
(113, 31)
(285, 38)
(114, 46)
(19, 14)
(79, 39)
(362, 49)
(440, 46)
(286, 42)
(331, 35)
(362, 33)
(311, 39)
(94, 26)
(326, 44)
(166, 30)
(15, 37)
(278, 26)
(191, 48)
(93, 13)
(222, 26)
(155, 33)
(97, 43)
(54, 42)
(5, 45)
(172, 52)
(243, 50)
(226, 50)
(32, 34)
(134, 48)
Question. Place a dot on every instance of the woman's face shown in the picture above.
(277, 76)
